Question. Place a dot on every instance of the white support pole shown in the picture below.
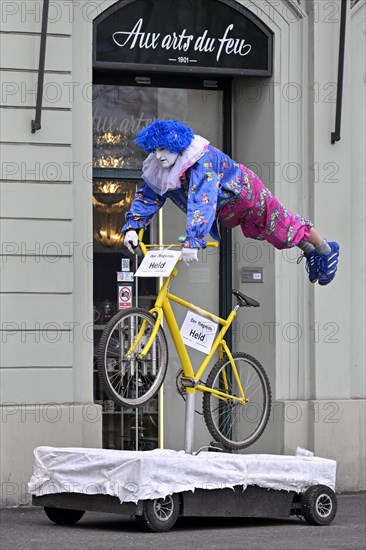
(189, 423)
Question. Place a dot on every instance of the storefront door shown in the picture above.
(119, 113)
(163, 59)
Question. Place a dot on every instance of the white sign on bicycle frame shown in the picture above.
(158, 263)
(198, 332)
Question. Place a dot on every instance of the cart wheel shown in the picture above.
(319, 505)
(160, 514)
(63, 516)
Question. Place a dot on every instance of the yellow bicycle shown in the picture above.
(132, 361)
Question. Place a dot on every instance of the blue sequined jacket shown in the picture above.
(211, 182)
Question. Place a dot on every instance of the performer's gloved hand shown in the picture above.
(189, 255)
(131, 241)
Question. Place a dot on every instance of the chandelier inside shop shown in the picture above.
(111, 197)
(112, 150)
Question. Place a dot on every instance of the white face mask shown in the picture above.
(165, 157)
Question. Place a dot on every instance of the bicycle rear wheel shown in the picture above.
(128, 380)
(235, 425)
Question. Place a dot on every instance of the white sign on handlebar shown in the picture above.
(158, 263)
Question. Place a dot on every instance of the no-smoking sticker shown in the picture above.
(124, 297)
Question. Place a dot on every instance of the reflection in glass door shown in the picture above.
(119, 113)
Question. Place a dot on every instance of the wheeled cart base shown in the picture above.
(159, 486)
(318, 505)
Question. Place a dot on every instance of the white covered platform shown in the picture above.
(132, 476)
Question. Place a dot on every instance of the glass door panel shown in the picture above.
(119, 113)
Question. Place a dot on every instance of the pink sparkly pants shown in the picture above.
(261, 216)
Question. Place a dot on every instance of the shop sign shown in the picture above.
(198, 332)
(205, 36)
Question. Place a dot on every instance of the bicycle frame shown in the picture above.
(163, 307)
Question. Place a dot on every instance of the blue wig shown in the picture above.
(169, 134)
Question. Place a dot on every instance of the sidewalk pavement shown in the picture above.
(30, 529)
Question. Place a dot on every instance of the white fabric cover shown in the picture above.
(139, 475)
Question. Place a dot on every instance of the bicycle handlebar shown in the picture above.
(144, 246)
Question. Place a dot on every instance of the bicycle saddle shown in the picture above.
(245, 301)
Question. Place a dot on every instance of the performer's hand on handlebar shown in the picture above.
(189, 255)
(131, 241)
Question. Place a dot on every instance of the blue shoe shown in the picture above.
(328, 264)
(312, 265)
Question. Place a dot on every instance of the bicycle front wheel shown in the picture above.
(131, 381)
(235, 425)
